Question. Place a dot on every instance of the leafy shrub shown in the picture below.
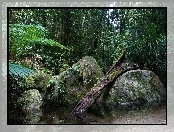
(20, 35)
(16, 80)
(22, 79)
(28, 40)
(39, 80)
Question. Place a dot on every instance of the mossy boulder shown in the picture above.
(136, 87)
(71, 85)
(39, 81)
(30, 99)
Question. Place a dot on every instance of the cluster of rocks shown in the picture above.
(135, 86)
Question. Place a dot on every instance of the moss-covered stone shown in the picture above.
(71, 85)
(136, 86)
(38, 81)
(30, 99)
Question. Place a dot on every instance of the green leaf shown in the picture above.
(16, 69)
(50, 42)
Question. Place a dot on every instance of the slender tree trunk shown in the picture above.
(66, 26)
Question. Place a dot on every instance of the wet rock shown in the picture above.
(30, 99)
(136, 87)
(71, 85)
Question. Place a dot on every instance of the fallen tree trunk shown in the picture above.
(115, 71)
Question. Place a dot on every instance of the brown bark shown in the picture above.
(115, 71)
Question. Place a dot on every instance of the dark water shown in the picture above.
(150, 113)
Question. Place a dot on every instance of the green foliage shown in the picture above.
(55, 91)
(53, 57)
(39, 81)
(118, 52)
(23, 38)
(22, 79)
(28, 40)
(144, 31)
(16, 69)
(97, 33)
(48, 42)
(21, 35)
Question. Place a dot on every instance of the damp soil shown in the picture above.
(149, 113)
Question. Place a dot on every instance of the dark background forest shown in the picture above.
(59, 37)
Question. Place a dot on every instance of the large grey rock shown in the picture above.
(137, 86)
(71, 85)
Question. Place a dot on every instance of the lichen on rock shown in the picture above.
(37, 81)
(137, 86)
(71, 85)
(30, 99)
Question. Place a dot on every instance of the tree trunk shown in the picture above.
(115, 71)
(66, 26)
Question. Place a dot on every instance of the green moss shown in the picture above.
(71, 85)
(113, 75)
(38, 81)
(30, 99)
(29, 80)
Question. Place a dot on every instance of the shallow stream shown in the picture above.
(150, 113)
